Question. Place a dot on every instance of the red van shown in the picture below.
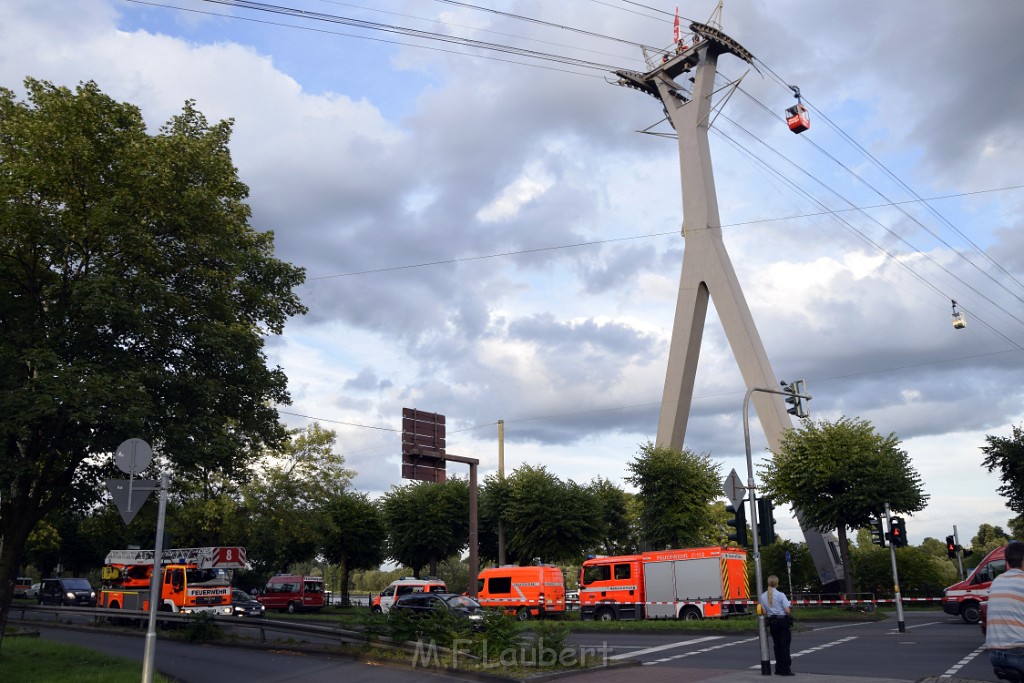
(964, 599)
(293, 593)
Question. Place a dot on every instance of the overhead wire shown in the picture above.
(890, 173)
(540, 56)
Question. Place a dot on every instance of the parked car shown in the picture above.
(422, 604)
(21, 584)
(75, 592)
(32, 593)
(403, 586)
(245, 605)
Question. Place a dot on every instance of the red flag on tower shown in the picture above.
(675, 27)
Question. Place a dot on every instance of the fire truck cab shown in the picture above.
(191, 579)
(686, 584)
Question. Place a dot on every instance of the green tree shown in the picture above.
(548, 519)
(1006, 454)
(675, 490)
(426, 522)
(921, 574)
(135, 301)
(286, 504)
(985, 541)
(618, 519)
(839, 475)
(1017, 527)
(355, 536)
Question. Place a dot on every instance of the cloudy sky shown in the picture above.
(487, 234)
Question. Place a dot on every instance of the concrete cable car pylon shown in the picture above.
(707, 272)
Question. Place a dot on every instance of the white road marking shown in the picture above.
(815, 649)
(963, 662)
(697, 652)
(659, 648)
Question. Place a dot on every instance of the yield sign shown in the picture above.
(129, 495)
(734, 489)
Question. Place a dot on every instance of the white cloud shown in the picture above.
(365, 157)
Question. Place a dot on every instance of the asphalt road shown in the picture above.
(212, 664)
(934, 644)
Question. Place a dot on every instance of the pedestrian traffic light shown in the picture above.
(898, 532)
(739, 521)
(765, 521)
(878, 532)
(951, 547)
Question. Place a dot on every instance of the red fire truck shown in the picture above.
(687, 584)
(192, 579)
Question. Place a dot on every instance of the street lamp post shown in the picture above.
(762, 632)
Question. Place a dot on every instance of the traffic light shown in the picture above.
(967, 552)
(898, 533)
(797, 403)
(951, 547)
(878, 532)
(765, 521)
(739, 521)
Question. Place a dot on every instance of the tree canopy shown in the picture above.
(134, 301)
(676, 488)
(426, 522)
(1006, 454)
(840, 475)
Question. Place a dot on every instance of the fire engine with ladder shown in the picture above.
(191, 580)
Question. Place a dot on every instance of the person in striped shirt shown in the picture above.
(1004, 634)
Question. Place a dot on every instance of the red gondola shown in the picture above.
(797, 116)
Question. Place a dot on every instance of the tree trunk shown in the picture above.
(844, 554)
(343, 572)
(12, 545)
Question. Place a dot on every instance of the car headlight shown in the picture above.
(92, 594)
(70, 595)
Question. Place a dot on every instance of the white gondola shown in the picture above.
(959, 322)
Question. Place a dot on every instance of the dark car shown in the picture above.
(245, 605)
(76, 592)
(422, 604)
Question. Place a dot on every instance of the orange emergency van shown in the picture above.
(534, 591)
(686, 584)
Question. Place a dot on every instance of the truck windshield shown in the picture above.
(200, 575)
(601, 572)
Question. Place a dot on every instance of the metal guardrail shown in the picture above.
(326, 632)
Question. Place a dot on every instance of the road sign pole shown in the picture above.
(155, 583)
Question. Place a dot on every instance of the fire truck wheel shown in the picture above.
(166, 624)
(523, 614)
(292, 609)
(377, 609)
(116, 621)
(604, 615)
(970, 612)
(690, 614)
